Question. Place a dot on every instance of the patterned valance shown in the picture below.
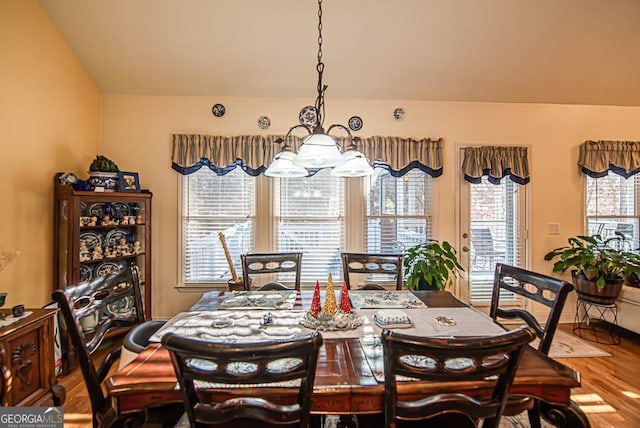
(496, 162)
(253, 153)
(599, 157)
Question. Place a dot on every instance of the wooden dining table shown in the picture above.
(345, 382)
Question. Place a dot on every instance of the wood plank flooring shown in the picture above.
(610, 392)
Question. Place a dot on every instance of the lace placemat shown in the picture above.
(277, 299)
(10, 319)
(400, 299)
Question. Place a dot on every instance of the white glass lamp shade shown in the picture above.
(355, 165)
(282, 166)
(319, 151)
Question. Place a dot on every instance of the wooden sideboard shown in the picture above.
(27, 376)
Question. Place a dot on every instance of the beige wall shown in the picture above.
(136, 134)
(49, 121)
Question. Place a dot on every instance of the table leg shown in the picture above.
(564, 416)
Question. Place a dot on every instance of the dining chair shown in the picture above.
(290, 363)
(91, 311)
(515, 290)
(454, 362)
(271, 263)
(389, 265)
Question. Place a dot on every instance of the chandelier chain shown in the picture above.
(320, 68)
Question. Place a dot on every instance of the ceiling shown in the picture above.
(523, 51)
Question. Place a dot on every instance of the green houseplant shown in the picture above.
(599, 266)
(431, 265)
(103, 172)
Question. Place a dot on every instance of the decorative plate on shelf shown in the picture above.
(119, 209)
(114, 236)
(122, 308)
(98, 209)
(308, 116)
(91, 239)
(86, 273)
(107, 268)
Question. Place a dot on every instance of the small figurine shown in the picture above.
(84, 252)
(93, 221)
(106, 221)
(97, 253)
(122, 249)
(132, 219)
(136, 247)
(139, 219)
(108, 254)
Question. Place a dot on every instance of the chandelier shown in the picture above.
(319, 149)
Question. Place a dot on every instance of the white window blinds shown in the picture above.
(398, 211)
(612, 206)
(496, 233)
(310, 219)
(212, 204)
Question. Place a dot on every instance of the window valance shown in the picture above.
(599, 157)
(496, 162)
(253, 153)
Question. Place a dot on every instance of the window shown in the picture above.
(308, 214)
(398, 211)
(212, 204)
(310, 219)
(612, 206)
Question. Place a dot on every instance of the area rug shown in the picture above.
(567, 345)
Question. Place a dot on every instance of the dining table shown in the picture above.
(349, 378)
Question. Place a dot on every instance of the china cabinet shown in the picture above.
(97, 233)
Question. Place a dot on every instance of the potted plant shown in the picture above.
(431, 266)
(103, 172)
(598, 265)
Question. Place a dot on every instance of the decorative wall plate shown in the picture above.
(264, 122)
(355, 123)
(107, 268)
(91, 239)
(308, 116)
(398, 114)
(86, 273)
(114, 236)
(218, 110)
(98, 209)
(119, 209)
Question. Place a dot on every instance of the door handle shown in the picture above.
(465, 249)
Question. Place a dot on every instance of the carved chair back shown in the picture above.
(90, 310)
(270, 263)
(450, 361)
(377, 264)
(290, 363)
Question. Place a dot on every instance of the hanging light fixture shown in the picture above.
(319, 149)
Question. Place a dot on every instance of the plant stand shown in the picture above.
(602, 328)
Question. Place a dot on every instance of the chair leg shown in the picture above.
(534, 415)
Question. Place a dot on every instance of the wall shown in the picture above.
(49, 122)
(136, 133)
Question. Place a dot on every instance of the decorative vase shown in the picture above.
(106, 180)
(588, 290)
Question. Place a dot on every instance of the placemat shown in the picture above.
(277, 299)
(400, 299)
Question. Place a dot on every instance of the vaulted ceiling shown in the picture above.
(529, 51)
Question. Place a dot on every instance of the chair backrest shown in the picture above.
(286, 363)
(545, 290)
(90, 310)
(270, 263)
(451, 360)
(364, 263)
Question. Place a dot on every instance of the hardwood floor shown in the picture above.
(610, 392)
